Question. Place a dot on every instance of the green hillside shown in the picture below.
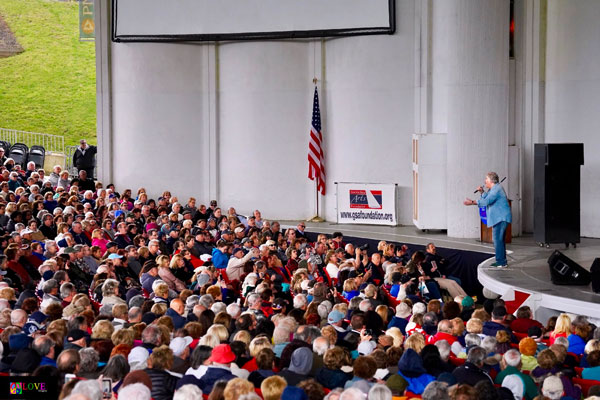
(51, 86)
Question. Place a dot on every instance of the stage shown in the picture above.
(526, 281)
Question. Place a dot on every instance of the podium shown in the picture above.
(486, 233)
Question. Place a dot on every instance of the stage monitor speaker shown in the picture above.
(556, 217)
(564, 271)
(595, 271)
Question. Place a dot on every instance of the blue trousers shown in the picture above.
(498, 232)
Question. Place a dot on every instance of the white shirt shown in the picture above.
(332, 270)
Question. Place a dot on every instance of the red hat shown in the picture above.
(222, 354)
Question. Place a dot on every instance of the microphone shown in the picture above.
(503, 179)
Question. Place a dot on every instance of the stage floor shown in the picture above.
(527, 272)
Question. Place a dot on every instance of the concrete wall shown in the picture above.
(573, 94)
(231, 120)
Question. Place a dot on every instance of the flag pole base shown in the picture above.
(316, 218)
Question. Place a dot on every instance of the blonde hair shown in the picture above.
(159, 308)
(563, 324)
(162, 261)
(219, 331)
(243, 336)
(123, 336)
(162, 290)
(259, 343)
(174, 261)
(209, 340)
(474, 325)
(381, 245)
(236, 388)
(97, 234)
(350, 285)
(458, 326)
(272, 387)
(416, 341)
(397, 335)
(329, 333)
(103, 329)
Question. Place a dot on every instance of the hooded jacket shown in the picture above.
(300, 366)
(212, 375)
(219, 259)
(411, 368)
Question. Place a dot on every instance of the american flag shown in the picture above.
(316, 161)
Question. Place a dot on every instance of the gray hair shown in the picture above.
(562, 341)
(307, 333)
(365, 305)
(234, 310)
(380, 392)
(109, 286)
(188, 392)
(281, 334)
(472, 339)
(300, 301)
(152, 335)
(134, 312)
(139, 391)
(89, 388)
(247, 396)
(489, 343)
(436, 390)
(323, 311)
(335, 393)
(476, 355)
(444, 349)
(493, 177)
(320, 345)
(89, 359)
(512, 357)
(191, 301)
(49, 285)
(18, 317)
(218, 307)
(354, 303)
(42, 345)
(206, 301)
(352, 394)
(66, 289)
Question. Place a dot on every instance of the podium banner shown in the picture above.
(366, 203)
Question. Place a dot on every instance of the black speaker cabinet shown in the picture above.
(595, 271)
(564, 271)
(556, 217)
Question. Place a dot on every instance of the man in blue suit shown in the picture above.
(498, 214)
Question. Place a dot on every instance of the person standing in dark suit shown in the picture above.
(84, 158)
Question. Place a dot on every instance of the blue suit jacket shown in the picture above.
(496, 205)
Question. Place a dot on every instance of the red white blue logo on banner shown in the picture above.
(366, 199)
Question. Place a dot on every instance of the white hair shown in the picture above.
(234, 310)
(300, 301)
(4, 304)
(322, 311)
(187, 392)
(89, 388)
(281, 334)
(365, 305)
(139, 391)
(419, 308)
(320, 345)
(352, 394)
(512, 357)
(218, 307)
(472, 339)
(444, 349)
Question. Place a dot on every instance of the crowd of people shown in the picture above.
(115, 294)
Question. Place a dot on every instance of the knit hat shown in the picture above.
(302, 360)
(528, 346)
(467, 301)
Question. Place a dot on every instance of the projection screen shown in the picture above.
(209, 20)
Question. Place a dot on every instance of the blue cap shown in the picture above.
(334, 317)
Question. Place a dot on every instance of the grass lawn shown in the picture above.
(51, 86)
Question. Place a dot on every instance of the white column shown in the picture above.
(470, 89)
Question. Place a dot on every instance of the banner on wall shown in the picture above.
(87, 29)
(366, 203)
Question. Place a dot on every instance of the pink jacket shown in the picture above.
(170, 279)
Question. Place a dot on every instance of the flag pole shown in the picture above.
(316, 217)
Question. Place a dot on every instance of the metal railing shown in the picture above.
(53, 143)
(69, 151)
